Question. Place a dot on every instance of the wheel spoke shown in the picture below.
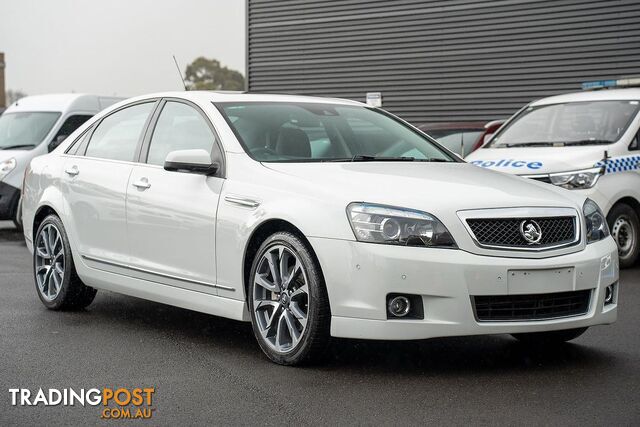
(45, 241)
(300, 315)
(297, 268)
(53, 239)
(273, 319)
(282, 266)
(261, 279)
(302, 290)
(272, 259)
(266, 303)
(42, 273)
(291, 326)
(280, 332)
(41, 252)
(51, 284)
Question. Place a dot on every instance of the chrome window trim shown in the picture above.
(524, 213)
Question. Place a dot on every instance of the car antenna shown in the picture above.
(180, 73)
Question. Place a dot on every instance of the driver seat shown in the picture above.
(293, 142)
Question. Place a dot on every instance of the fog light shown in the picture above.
(399, 306)
(609, 294)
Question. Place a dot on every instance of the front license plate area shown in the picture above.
(541, 281)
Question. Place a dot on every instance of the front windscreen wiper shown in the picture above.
(364, 158)
(589, 142)
(17, 146)
(528, 144)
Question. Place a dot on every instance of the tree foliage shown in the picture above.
(14, 95)
(208, 74)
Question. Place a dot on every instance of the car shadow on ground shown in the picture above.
(441, 356)
(11, 234)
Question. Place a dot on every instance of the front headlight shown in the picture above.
(597, 228)
(397, 226)
(576, 180)
(6, 167)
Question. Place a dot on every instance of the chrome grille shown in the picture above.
(505, 232)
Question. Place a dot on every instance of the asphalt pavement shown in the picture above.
(210, 370)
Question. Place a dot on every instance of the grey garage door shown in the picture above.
(440, 60)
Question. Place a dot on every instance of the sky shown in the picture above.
(115, 47)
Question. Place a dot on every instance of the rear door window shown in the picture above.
(118, 135)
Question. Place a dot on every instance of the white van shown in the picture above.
(587, 142)
(33, 126)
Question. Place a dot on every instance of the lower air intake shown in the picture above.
(501, 308)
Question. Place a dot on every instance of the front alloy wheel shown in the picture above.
(288, 301)
(281, 298)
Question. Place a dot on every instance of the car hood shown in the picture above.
(537, 160)
(433, 187)
(16, 154)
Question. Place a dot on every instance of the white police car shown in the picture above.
(588, 142)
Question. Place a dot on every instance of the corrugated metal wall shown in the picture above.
(440, 60)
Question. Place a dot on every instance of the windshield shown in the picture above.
(576, 123)
(307, 132)
(25, 130)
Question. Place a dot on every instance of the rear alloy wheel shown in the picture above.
(288, 301)
(57, 282)
(625, 229)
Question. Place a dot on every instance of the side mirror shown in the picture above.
(56, 142)
(192, 161)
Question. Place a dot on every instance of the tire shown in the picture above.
(56, 280)
(277, 316)
(550, 337)
(625, 229)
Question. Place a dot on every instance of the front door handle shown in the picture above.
(73, 171)
(142, 184)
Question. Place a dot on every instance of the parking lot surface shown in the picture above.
(207, 369)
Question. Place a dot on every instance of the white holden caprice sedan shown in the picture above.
(311, 218)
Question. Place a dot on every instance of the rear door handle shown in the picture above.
(142, 184)
(73, 171)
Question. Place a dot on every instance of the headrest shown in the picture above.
(294, 143)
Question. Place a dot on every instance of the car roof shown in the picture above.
(222, 96)
(62, 102)
(631, 94)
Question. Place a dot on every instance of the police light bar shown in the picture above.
(604, 84)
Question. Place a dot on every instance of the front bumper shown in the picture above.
(359, 276)
(9, 197)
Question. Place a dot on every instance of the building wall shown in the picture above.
(440, 60)
(3, 101)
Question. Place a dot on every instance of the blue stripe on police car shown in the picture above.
(507, 163)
